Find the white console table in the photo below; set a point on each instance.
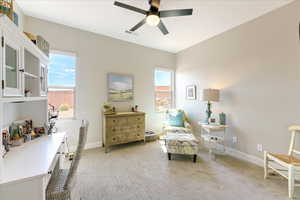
(26, 170)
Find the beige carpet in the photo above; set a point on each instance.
(142, 172)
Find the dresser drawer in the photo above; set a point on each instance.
(116, 121)
(136, 119)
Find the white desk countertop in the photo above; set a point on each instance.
(30, 160)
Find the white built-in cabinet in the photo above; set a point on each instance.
(23, 66)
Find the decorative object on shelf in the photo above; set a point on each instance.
(39, 131)
(222, 117)
(16, 133)
(31, 37)
(120, 87)
(114, 109)
(52, 117)
(210, 95)
(43, 45)
(40, 42)
(20, 132)
(16, 19)
(28, 93)
(191, 92)
(5, 140)
(7, 8)
(132, 109)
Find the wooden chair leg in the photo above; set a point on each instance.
(291, 180)
(266, 164)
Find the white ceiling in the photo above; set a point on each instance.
(210, 18)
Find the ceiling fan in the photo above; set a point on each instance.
(154, 15)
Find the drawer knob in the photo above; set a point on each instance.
(50, 172)
(114, 139)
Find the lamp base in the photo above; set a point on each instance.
(208, 112)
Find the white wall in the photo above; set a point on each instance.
(96, 56)
(257, 68)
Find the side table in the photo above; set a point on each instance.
(214, 135)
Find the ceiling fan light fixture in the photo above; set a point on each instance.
(153, 20)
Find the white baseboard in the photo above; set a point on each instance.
(93, 145)
(244, 156)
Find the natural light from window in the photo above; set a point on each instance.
(163, 89)
(61, 84)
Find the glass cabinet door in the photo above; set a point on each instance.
(11, 69)
(43, 81)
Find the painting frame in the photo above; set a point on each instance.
(115, 92)
(191, 92)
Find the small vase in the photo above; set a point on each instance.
(222, 117)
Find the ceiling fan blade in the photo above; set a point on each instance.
(175, 13)
(163, 28)
(141, 23)
(129, 7)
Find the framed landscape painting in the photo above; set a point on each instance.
(191, 92)
(120, 87)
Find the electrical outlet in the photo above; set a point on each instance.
(234, 139)
(259, 147)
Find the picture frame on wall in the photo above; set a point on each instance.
(191, 92)
(120, 87)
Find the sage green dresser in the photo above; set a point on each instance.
(123, 127)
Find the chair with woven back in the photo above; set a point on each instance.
(289, 164)
(62, 185)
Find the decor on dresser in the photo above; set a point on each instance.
(123, 127)
(191, 92)
(222, 118)
(120, 87)
(108, 109)
(210, 95)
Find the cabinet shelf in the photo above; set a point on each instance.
(29, 75)
(21, 99)
(10, 68)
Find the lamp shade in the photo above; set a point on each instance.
(211, 95)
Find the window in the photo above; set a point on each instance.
(164, 87)
(61, 84)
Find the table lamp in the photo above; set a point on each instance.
(210, 95)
